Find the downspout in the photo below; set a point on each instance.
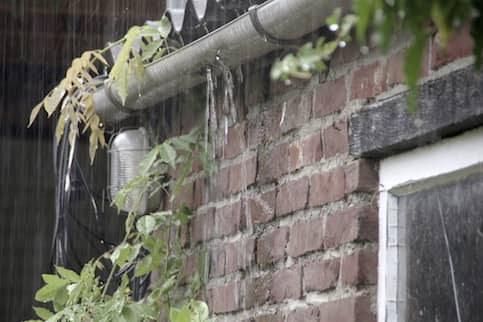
(236, 42)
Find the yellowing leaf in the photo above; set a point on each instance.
(34, 113)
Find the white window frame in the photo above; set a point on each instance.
(399, 175)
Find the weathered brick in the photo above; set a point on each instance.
(234, 143)
(292, 196)
(305, 151)
(257, 290)
(306, 236)
(199, 187)
(354, 224)
(185, 195)
(189, 267)
(368, 81)
(303, 314)
(202, 226)
(265, 127)
(184, 235)
(460, 45)
(297, 112)
(273, 163)
(395, 64)
(330, 97)
(217, 261)
(254, 89)
(336, 139)
(269, 317)
(286, 284)
(352, 309)
(242, 174)
(219, 181)
(227, 220)
(225, 298)
(239, 255)
(321, 275)
(359, 268)
(361, 176)
(327, 187)
(271, 246)
(260, 209)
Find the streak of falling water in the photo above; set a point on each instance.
(38, 40)
(210, 117)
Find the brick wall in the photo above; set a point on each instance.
(289, 217)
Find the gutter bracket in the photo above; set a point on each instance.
(288, 43)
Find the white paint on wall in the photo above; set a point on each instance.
(402, 171)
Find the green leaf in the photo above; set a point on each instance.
(183, 314)
(42, 313)
(68, 274)
(200, 309)
(149, 160)
(146, 224)
(412, 68)
(144, 266)
(168, 154)
(151, 49)
(164, 27)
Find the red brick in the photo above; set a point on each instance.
(327, 187)
(306, 236)
(297, 112)
(353, 309)
(305, 151)
(395, 67)
(202, 226)
(361, 176)
(292, 196)
(189, 266)
(184, 236)
(227, 220)
(273, 163)
(303, 314)
(225, 298)
(185, 195)
(359, 268)
(336, 139)
(330, 97)
(198, 195)
(321, 275)
(265, 127)
(270, 317)
(234, 143)
(217, 262)
(271, 246)
(460, 45)
(257, 291)
(242, 174)
(239, 255)
(219, 184)
(260, 209)
(354, 224)
(286, 284)
(368, 81)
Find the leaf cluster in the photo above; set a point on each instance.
(151, 246)
(312, 58)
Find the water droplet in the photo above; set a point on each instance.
(334, 27)
(342, 44)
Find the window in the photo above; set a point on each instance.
(431, 239)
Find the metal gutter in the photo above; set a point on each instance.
(236, 42)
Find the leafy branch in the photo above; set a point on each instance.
(84, 297)
(73, 96)
(382, 19)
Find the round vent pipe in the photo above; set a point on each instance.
(126, 151)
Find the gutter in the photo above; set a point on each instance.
(263, 29)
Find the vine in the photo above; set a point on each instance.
(382, 19)
(151, 245)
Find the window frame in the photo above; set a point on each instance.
(402, 174)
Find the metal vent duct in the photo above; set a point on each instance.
(127, 150)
